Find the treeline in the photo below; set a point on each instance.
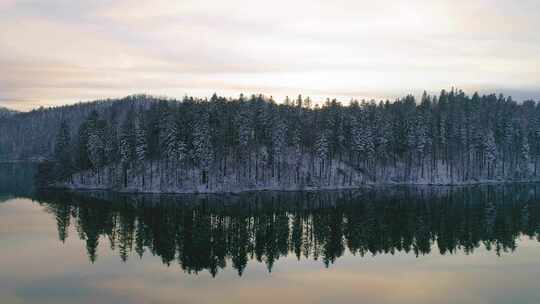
(5, 113)
(254, 143)
(211, 232)
(32, 135)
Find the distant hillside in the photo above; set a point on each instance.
(31, 135)
(5, 112)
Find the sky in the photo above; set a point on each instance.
(64, 51)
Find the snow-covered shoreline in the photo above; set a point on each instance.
(312, 189)
(155, 179)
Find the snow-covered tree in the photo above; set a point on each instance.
(524, 155)
(63, 150)
(202, 145)
(126, 145)
(95, 144)
(490, 151)
(245, 127)
(322, 146)
(140, 148)
(362, 141)
(167, 133)
(111, 143)
(279, 144)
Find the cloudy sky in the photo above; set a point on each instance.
(56, 52)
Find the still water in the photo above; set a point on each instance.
(380, 245)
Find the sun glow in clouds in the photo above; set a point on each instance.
(64, 51)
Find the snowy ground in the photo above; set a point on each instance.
(156, 177)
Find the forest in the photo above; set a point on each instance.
(151, 144)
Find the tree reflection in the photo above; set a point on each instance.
(208, 232)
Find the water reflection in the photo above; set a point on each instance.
(211, 232)
(16, 180)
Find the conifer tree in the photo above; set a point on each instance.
(203, 151)
(126, 146)
(491, 152)
(140, 142)
(63, 150)
(95, 144)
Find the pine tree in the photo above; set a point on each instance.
(508, 144)
(96, 146)
(322, 148)
(126, 145)
(417, 140)
(362, 141)
(297, 152)
(524, 156)
(279, 144)
(82, 160)
(490, 152)
(110, 142)
(63, 150)
(169, 139)
(245, 127)
(140, 142)
(202, 145)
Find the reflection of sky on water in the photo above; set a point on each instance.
(36, 267)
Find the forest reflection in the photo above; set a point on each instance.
(210, 232)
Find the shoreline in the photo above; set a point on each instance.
(307, 189)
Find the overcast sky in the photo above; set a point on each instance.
(56, 52)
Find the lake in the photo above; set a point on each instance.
(477, 244)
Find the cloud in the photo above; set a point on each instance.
(66, 51)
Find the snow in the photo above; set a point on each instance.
(164, 177)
